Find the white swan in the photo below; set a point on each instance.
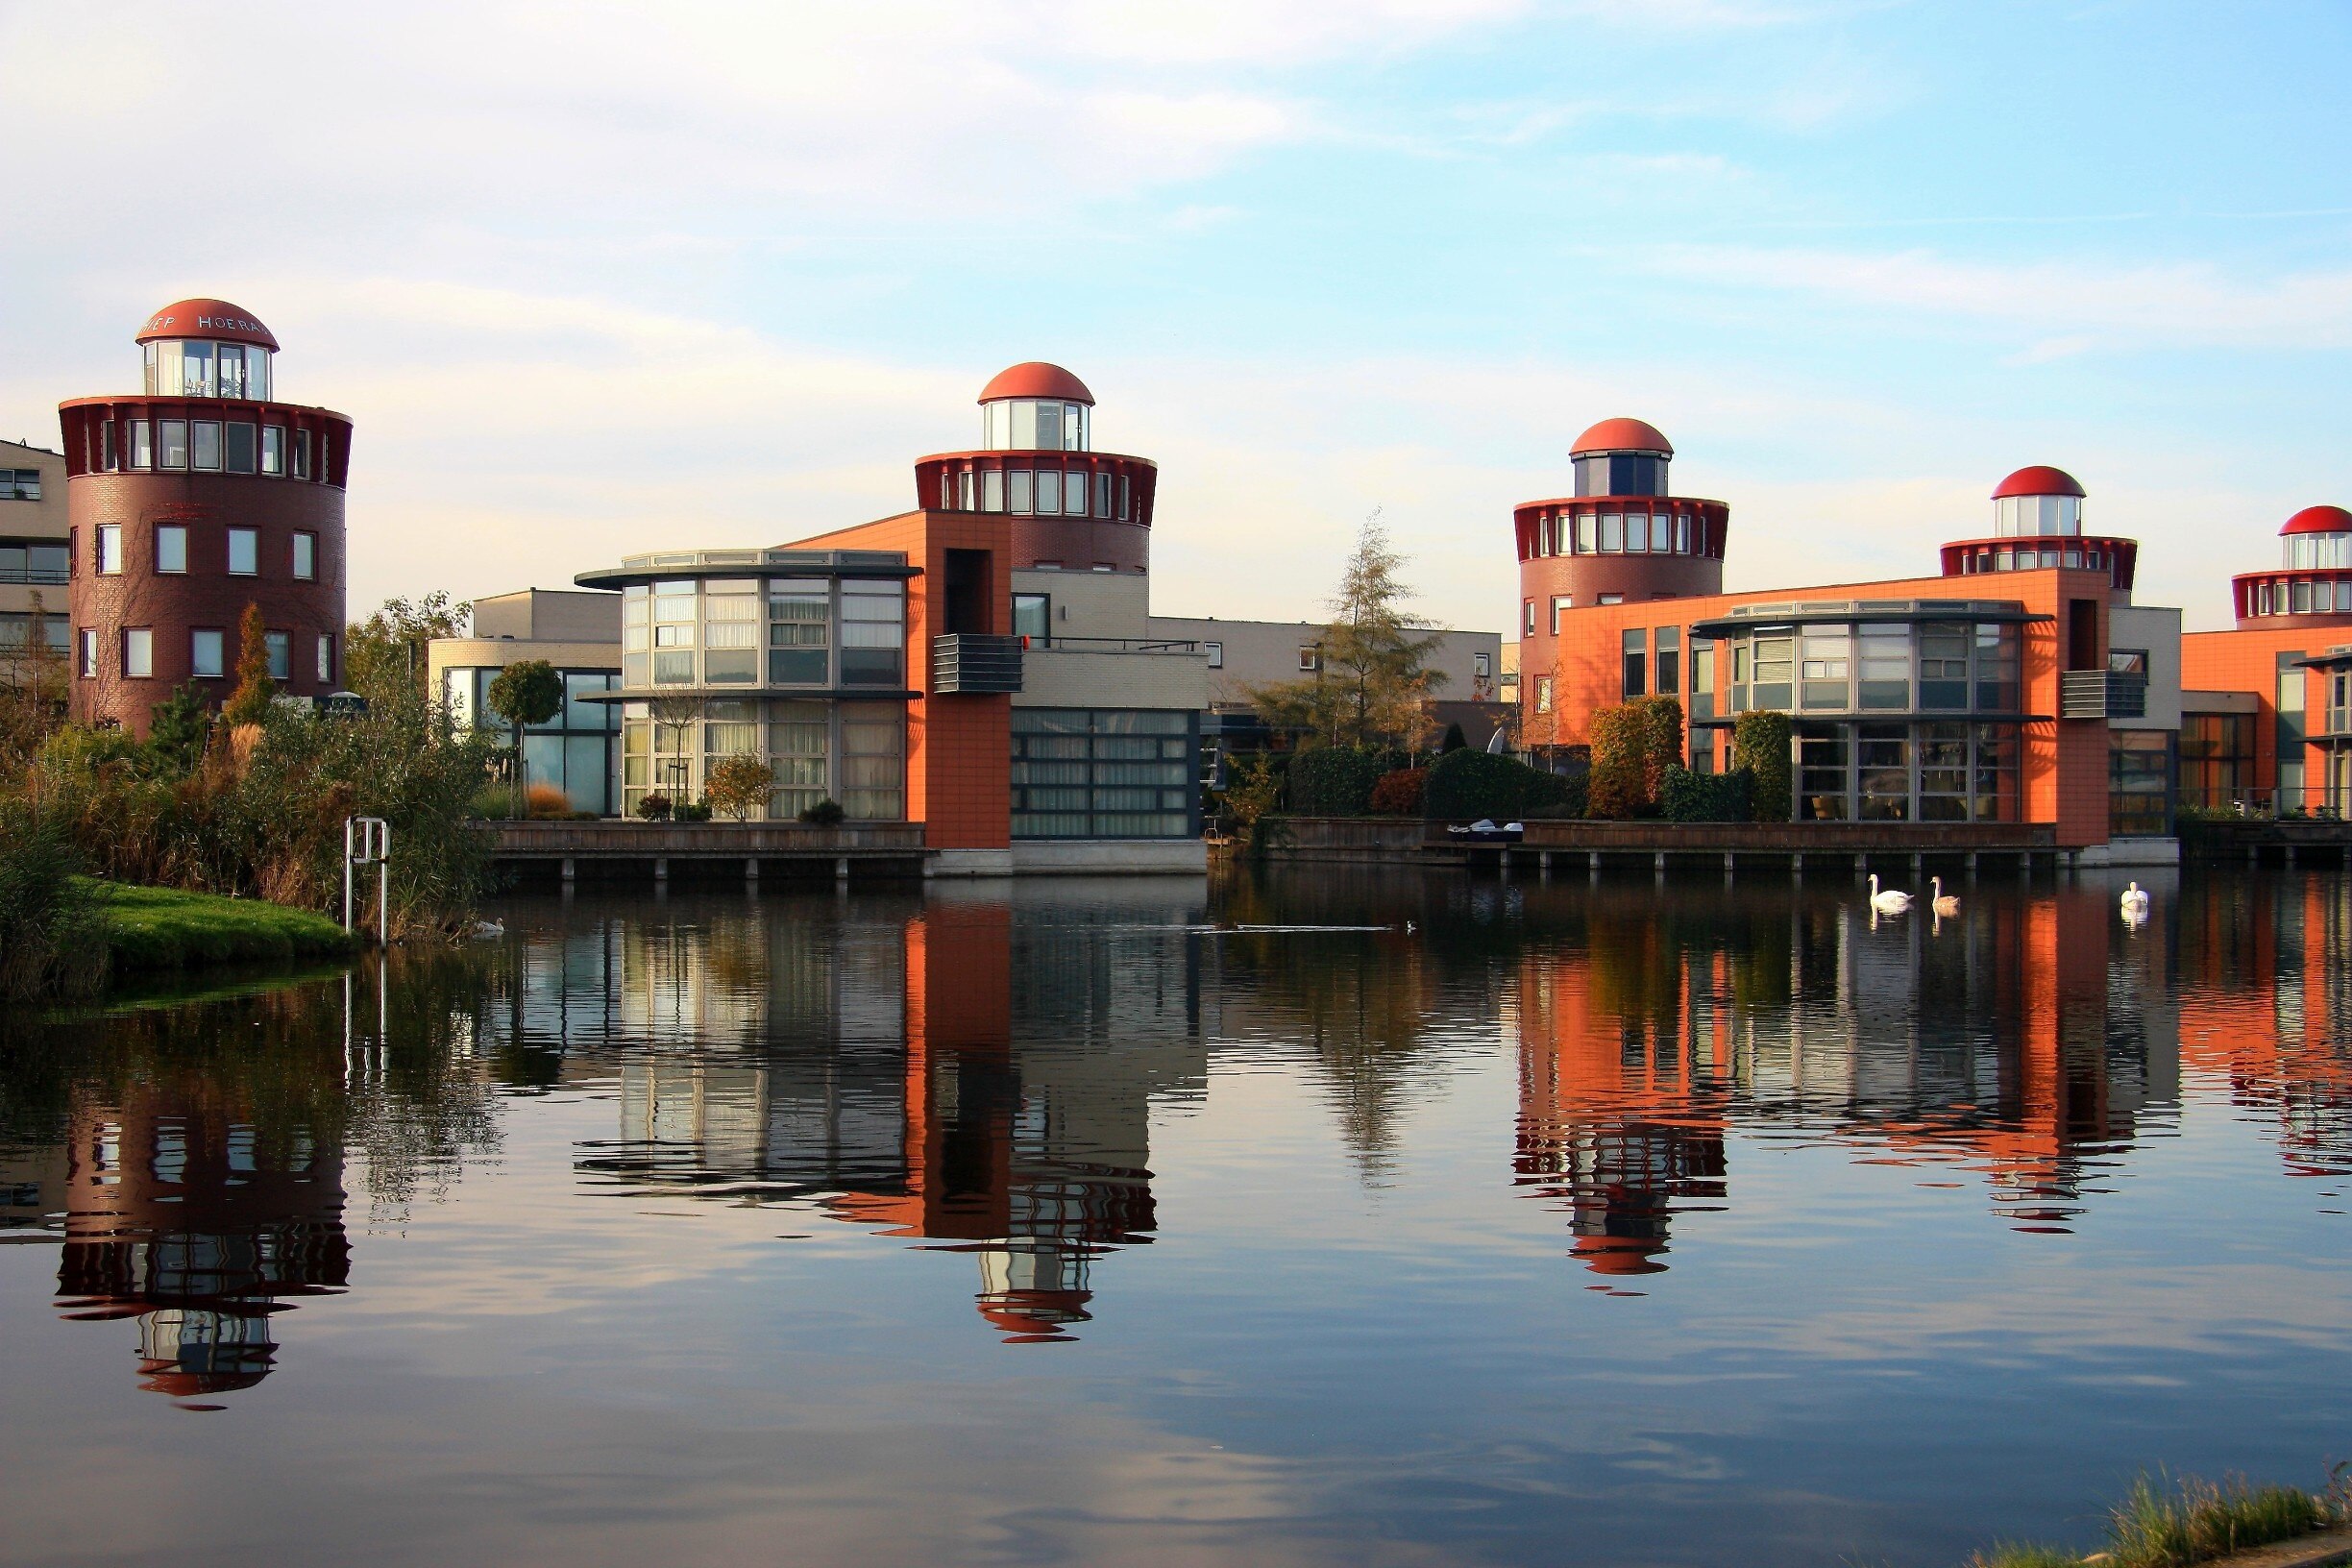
(2134, 901)
(1944, 902)
(1889, 902)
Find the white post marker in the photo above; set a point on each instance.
(367, 840)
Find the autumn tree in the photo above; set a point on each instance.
(739, 785)
(250, 703)
(1372, 683)
(387, 652)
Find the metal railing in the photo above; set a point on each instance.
(976, 662)
(1110, 644)
(2101, 694)
(41, 577)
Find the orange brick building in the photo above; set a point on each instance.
(2013, 687)
(2266, 724)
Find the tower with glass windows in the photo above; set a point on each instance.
(2311, 585)
(191, 500)
(1623, 538)
(2038, 523)
(1069, 505)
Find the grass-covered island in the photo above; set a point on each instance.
(2176, 1525)
(167, 928)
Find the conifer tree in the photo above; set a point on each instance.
(255, 689)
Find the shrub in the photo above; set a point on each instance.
(690, 811)
(1254, 789)
(1455, 739)
(1707, 798)
(262, 815)
(1335, 780)
(825, 813)
(1617, 786)
(1760, 746)
(250, 703)
(739, 785)
(52, 933)
(546, 800)
(1398, 794)
(1472, 784)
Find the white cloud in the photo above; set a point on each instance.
(2083, 303)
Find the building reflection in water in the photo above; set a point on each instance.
(873, 1068)
(2028, 1041)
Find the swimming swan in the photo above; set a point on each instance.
(1889, 902)
(1945, 903)
(2134, 901)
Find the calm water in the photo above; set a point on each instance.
(1572, 1225)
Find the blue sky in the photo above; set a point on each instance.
(602, 278)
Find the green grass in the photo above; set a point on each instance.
(164, 928)
(2178, 1524)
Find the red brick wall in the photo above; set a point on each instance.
(959, 748)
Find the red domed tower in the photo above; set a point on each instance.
(189, 502)
(2037, 523)
(2313, 581)
(1621, 538)
(1071, 507)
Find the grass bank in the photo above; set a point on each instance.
(164, 928)
(2164, 1523)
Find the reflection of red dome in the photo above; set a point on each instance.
(2041, 480)
(1621, 435)
(2320, 520)
(1036, 378)
(1034, 1316)
(215, 320)
(1618, 1255)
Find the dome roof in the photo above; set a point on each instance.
(2041, 480)
(1036, 378)
(215, 319)
(2320, 520)
(1621, 435)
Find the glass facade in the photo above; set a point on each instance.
(2140, 783)
(2037, 517)
(818, 632)
(1902, 771)
(850, 752)
(573, 751)
(2217, 758)
(1883, 667)
(1104, 773)
(183, 369)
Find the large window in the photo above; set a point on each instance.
(1035, 425)
(2140, 783)
(16, 631)
(206, 654)
(800, 632)
(872, 633)
(139, 652)
(20, 484)
(1877, 667)
(731, 633)
(874, 760)
(2217, 759)
(800, 738)
(36, 561)
(573, 751)
(244, 552)
(1934, 771)
(171, 547)
(2028, 517)
(1103, 773)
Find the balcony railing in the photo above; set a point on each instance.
(2101, 694)
(40, 576)
(970, 662)
(1112, 645)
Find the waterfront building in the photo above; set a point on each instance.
(983, 664)
(579, 633)
(191, 500)
(2019, 685)
(33, 551)
(2269, 721)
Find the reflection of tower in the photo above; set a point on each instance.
(1620, 1115)
(199, 1223)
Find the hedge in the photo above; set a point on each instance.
(1708, 797)
(1474, 784)
(1336, 780)
(1760, 745)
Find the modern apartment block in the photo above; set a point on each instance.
(2020, 684)
(982, 663)
(34, 552)
(189, 501)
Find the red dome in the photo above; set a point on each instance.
(1036, 378)
(215, 319)
(2041, 480)
(1621, 435)
(2320, 520)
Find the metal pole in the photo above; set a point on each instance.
(383, 887)
(347, 875)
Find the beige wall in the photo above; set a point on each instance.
(2158, 630)
(1057, 677)
(1092, 603)
(560, 615)
(1265, 653)
(42, 519)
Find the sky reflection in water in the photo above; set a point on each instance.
(1082, 1222)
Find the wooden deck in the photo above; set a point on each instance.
(1657, 845)
(885, 848)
